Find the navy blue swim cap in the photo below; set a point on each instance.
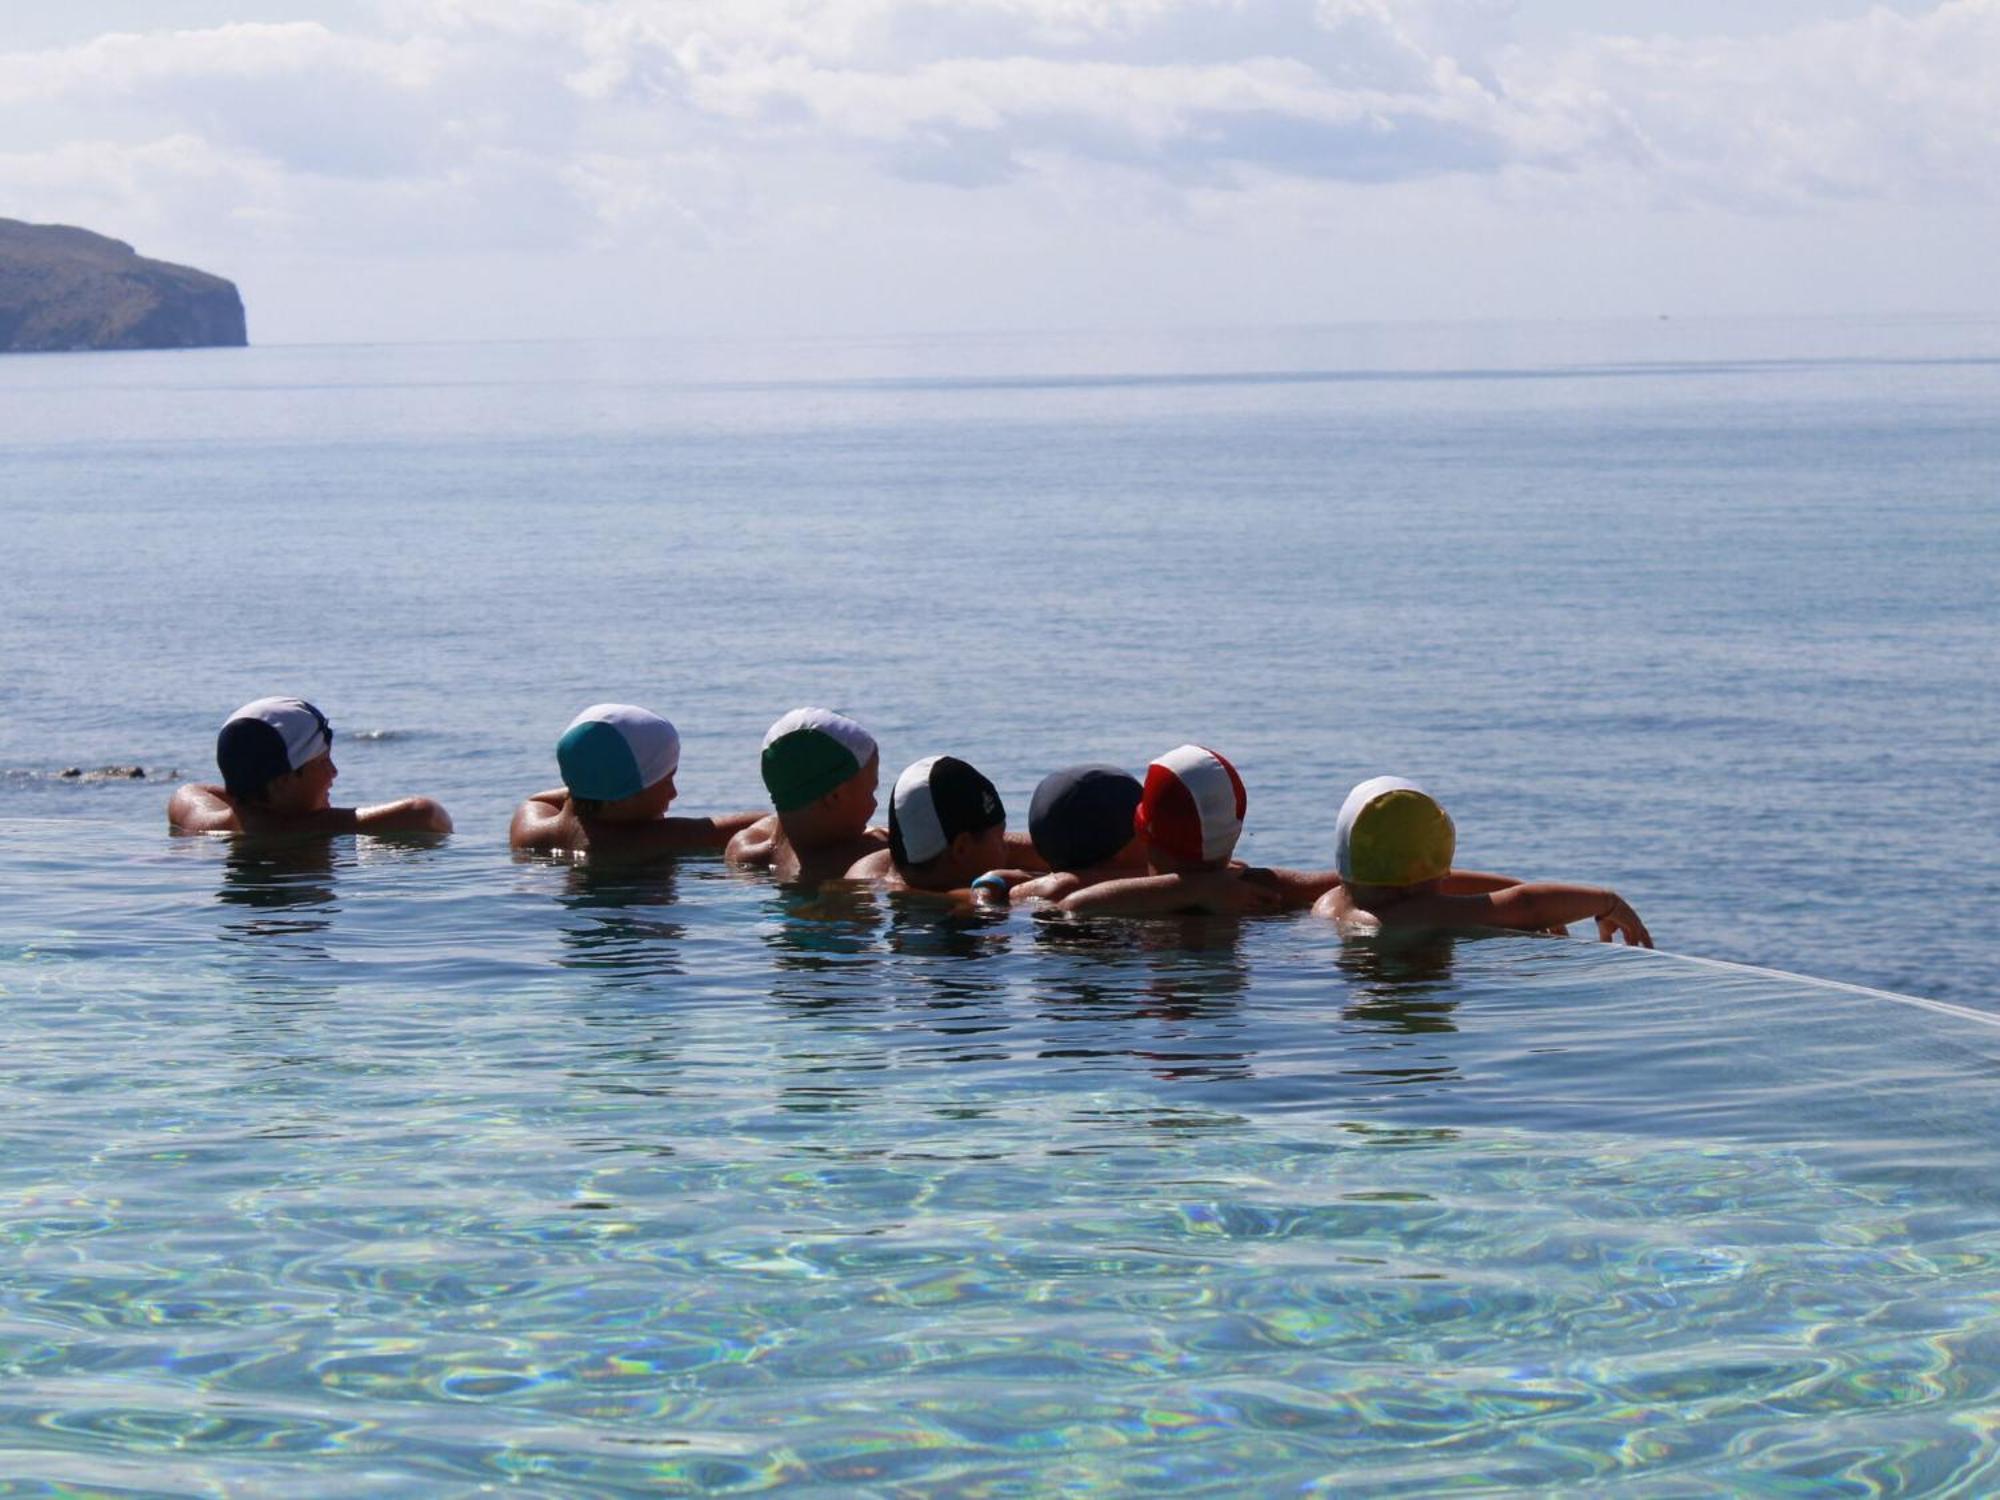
(1082, 815)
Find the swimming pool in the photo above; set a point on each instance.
(393, 1170)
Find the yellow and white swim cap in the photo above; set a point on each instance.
(1391, 832)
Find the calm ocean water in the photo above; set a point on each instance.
(404, 1169)
(1703, 612)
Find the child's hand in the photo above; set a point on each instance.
(1619, 918)
(990, 889)
(1227, 894)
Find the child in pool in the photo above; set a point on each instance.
(822, 770)
(276, 759)
(1188, 818)
(947, 827)
(618, 764)
(1080, 822)
(1393, 847)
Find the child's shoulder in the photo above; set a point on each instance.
(542, 824)
(870, 863)
(757, 845)
(195, 808)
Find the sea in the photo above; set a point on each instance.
(410, 1167)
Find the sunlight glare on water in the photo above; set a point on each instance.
(398, 1169)
(407, 1170)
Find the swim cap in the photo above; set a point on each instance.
(613, 750)
(263, 740)
(1192, 806)
(809, 752)
(1082, 815)
(935, 801)
(1391, 832)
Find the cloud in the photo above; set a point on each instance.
(544, 123)
(1884, 106)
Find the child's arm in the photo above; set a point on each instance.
(673, 835)
(1474, 883)
(1295, 889)
(1060, 883)
(1217, 892)
(404, 815)
(1480, 883)
(1532, 907)
(1047, 887)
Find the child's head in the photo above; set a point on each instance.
(946, 821)
(821, 769)
(1392, 833)
(619, 761)
(1191, 810)
(277, 752)
(1081, 817)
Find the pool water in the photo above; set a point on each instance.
(380, 1169)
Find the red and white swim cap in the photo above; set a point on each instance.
(1192, 807)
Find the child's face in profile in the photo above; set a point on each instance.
(308, 789)
(856, 798)
(988, 849)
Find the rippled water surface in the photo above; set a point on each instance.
(398, 1170)
(411, 1170)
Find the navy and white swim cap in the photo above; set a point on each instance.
(264, 740)
(935, 801)
(613, 750)
(1082, 815)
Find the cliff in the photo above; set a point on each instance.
(63, 288)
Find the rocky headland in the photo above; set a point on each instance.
(63, 288)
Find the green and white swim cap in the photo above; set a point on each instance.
(1392, 832)
(613, 750)
(809, 752)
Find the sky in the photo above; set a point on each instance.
(446, 169)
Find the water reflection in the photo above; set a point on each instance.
(278, 898)
(953, 970)
(284, 887)
(833, 955)
(1401, 993)
(1164, 996)
(1400, 982)
(614, 923)
(826, 976)
(811, 932)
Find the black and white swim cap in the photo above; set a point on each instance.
(935, 801)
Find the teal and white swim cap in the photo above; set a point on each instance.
(613, 750)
